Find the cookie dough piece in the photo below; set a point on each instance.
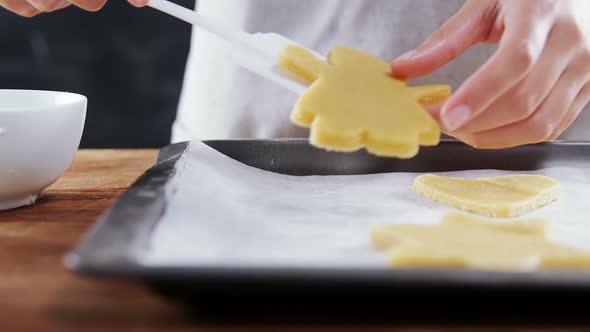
(463, 241)
(504, 197)
(354, 102)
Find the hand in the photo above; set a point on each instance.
(30, 8)
(534, 86)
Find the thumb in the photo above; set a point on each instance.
(467, 27)
(434, 111)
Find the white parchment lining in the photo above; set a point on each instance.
(223, 213)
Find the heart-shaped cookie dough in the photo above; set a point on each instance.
(504, 197)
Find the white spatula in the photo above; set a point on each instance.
(256, 52)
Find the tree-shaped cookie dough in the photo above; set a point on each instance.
(462, 241)
(354, 102)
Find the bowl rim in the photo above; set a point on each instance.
(78, 98)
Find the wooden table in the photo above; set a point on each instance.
(38, 293)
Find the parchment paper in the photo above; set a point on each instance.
(223, 213)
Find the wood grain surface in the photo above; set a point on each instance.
(38, 293)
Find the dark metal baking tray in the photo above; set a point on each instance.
(115, 244)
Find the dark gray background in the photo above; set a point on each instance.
(129, 63)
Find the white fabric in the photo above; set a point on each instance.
(222, 213)
(222, 101)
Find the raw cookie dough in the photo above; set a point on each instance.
(462, 241)
(354, 102)
(504, 197)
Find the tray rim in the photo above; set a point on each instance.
(81, 259)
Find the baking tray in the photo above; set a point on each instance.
(114, 246)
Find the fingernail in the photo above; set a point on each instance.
(406, 56)
(62, 4)
(138, 3)
(456, 117)
(36, 4)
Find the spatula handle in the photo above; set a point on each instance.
(192, 17)
(256, 52)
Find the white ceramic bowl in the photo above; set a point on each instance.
(40, 132)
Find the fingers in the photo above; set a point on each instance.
(30, 8)
(89, 5)
(579, 103)
(520, 48)
(466, 28)
(540, 126)
(434, 111)
(20, 7)
(521, 101)
(46, 6)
